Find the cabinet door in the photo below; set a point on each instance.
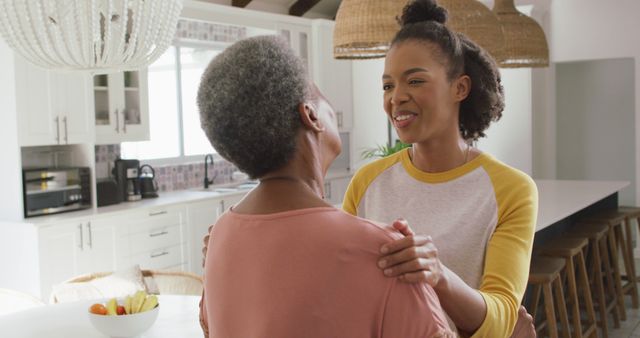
(71, 93)
(38, 122)
(334, 190)
(103, 245)
(200, 216)
(333, 77)
(135, 107)
(121, 107)
(61, 253)
(299, 37)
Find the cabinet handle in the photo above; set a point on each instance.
(157, 213)
(117, 122)
(222, 207)
(57, 119)
(340, 119)
(124, 121)
(81, 238)
(66, 134)
(156, 234)
(164, 253)
(90, 235)
(327, 190)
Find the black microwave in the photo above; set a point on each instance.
(54, 190)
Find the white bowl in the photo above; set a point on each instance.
(124, 326)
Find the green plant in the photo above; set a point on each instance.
(384, 150)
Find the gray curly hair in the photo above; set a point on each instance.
(248, 100)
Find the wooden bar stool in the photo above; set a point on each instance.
(544, 275)
(619, 239)
(571, 249)
(631, 213)
(597, 254)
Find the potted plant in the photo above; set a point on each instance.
(384, 150)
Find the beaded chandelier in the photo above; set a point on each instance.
(99, 36)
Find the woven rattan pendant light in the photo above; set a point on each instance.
(525, 43)
(476, 21)
(364, 28)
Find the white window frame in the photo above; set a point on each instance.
(182, 158)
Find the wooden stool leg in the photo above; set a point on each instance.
(586, 292)
(533, 310)
(630, 266)
(608, 275)
(562, 308)
(551, 315)
(613, 248)
(573, 295)
(599, 290)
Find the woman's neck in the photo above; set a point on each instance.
(440, 155)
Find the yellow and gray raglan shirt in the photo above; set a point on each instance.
(481, 216)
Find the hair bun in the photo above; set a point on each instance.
(423, 10)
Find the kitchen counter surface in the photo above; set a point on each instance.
(164, 199)
(559, 199)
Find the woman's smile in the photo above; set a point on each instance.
(403, 119)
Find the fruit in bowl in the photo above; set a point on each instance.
(128, 318)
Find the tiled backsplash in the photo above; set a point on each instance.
(169, 177)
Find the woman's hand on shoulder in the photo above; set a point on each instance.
(414, 258)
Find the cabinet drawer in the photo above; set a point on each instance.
(154, 220)
(155, 237)
(162, 258)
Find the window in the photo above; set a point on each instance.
(175, 132)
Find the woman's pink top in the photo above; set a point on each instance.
(310, 273)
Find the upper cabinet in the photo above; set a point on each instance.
(53, 108)
(299, 38)
(121, 107)
(333, 77)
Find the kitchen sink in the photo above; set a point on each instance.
(232, 187)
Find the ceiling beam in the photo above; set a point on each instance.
(302, 6)
(240, 3)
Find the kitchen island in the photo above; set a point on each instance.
(562, 202)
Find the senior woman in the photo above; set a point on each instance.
(283, 262)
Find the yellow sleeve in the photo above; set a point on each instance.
(361, 181)
(506, 267)
(352, 197)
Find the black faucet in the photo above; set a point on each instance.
(208, 181)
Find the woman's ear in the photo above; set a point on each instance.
(309, 117)
(462, 88)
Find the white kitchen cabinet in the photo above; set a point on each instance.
(53, 108)
(156, 238)
(335, 188)
(76, 248)
(201, 216)
(299, 38)
(333, 77)
(121, 107)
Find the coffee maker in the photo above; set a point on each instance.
(126, 174)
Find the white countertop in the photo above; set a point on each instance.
(164, 199)
(559, 199)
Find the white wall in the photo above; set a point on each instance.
(592, 30)
(595, 122)
(10, 169)
(369, 118)
(510, 139)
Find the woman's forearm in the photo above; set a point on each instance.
(462, 303)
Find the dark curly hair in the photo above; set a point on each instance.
(424, 20)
